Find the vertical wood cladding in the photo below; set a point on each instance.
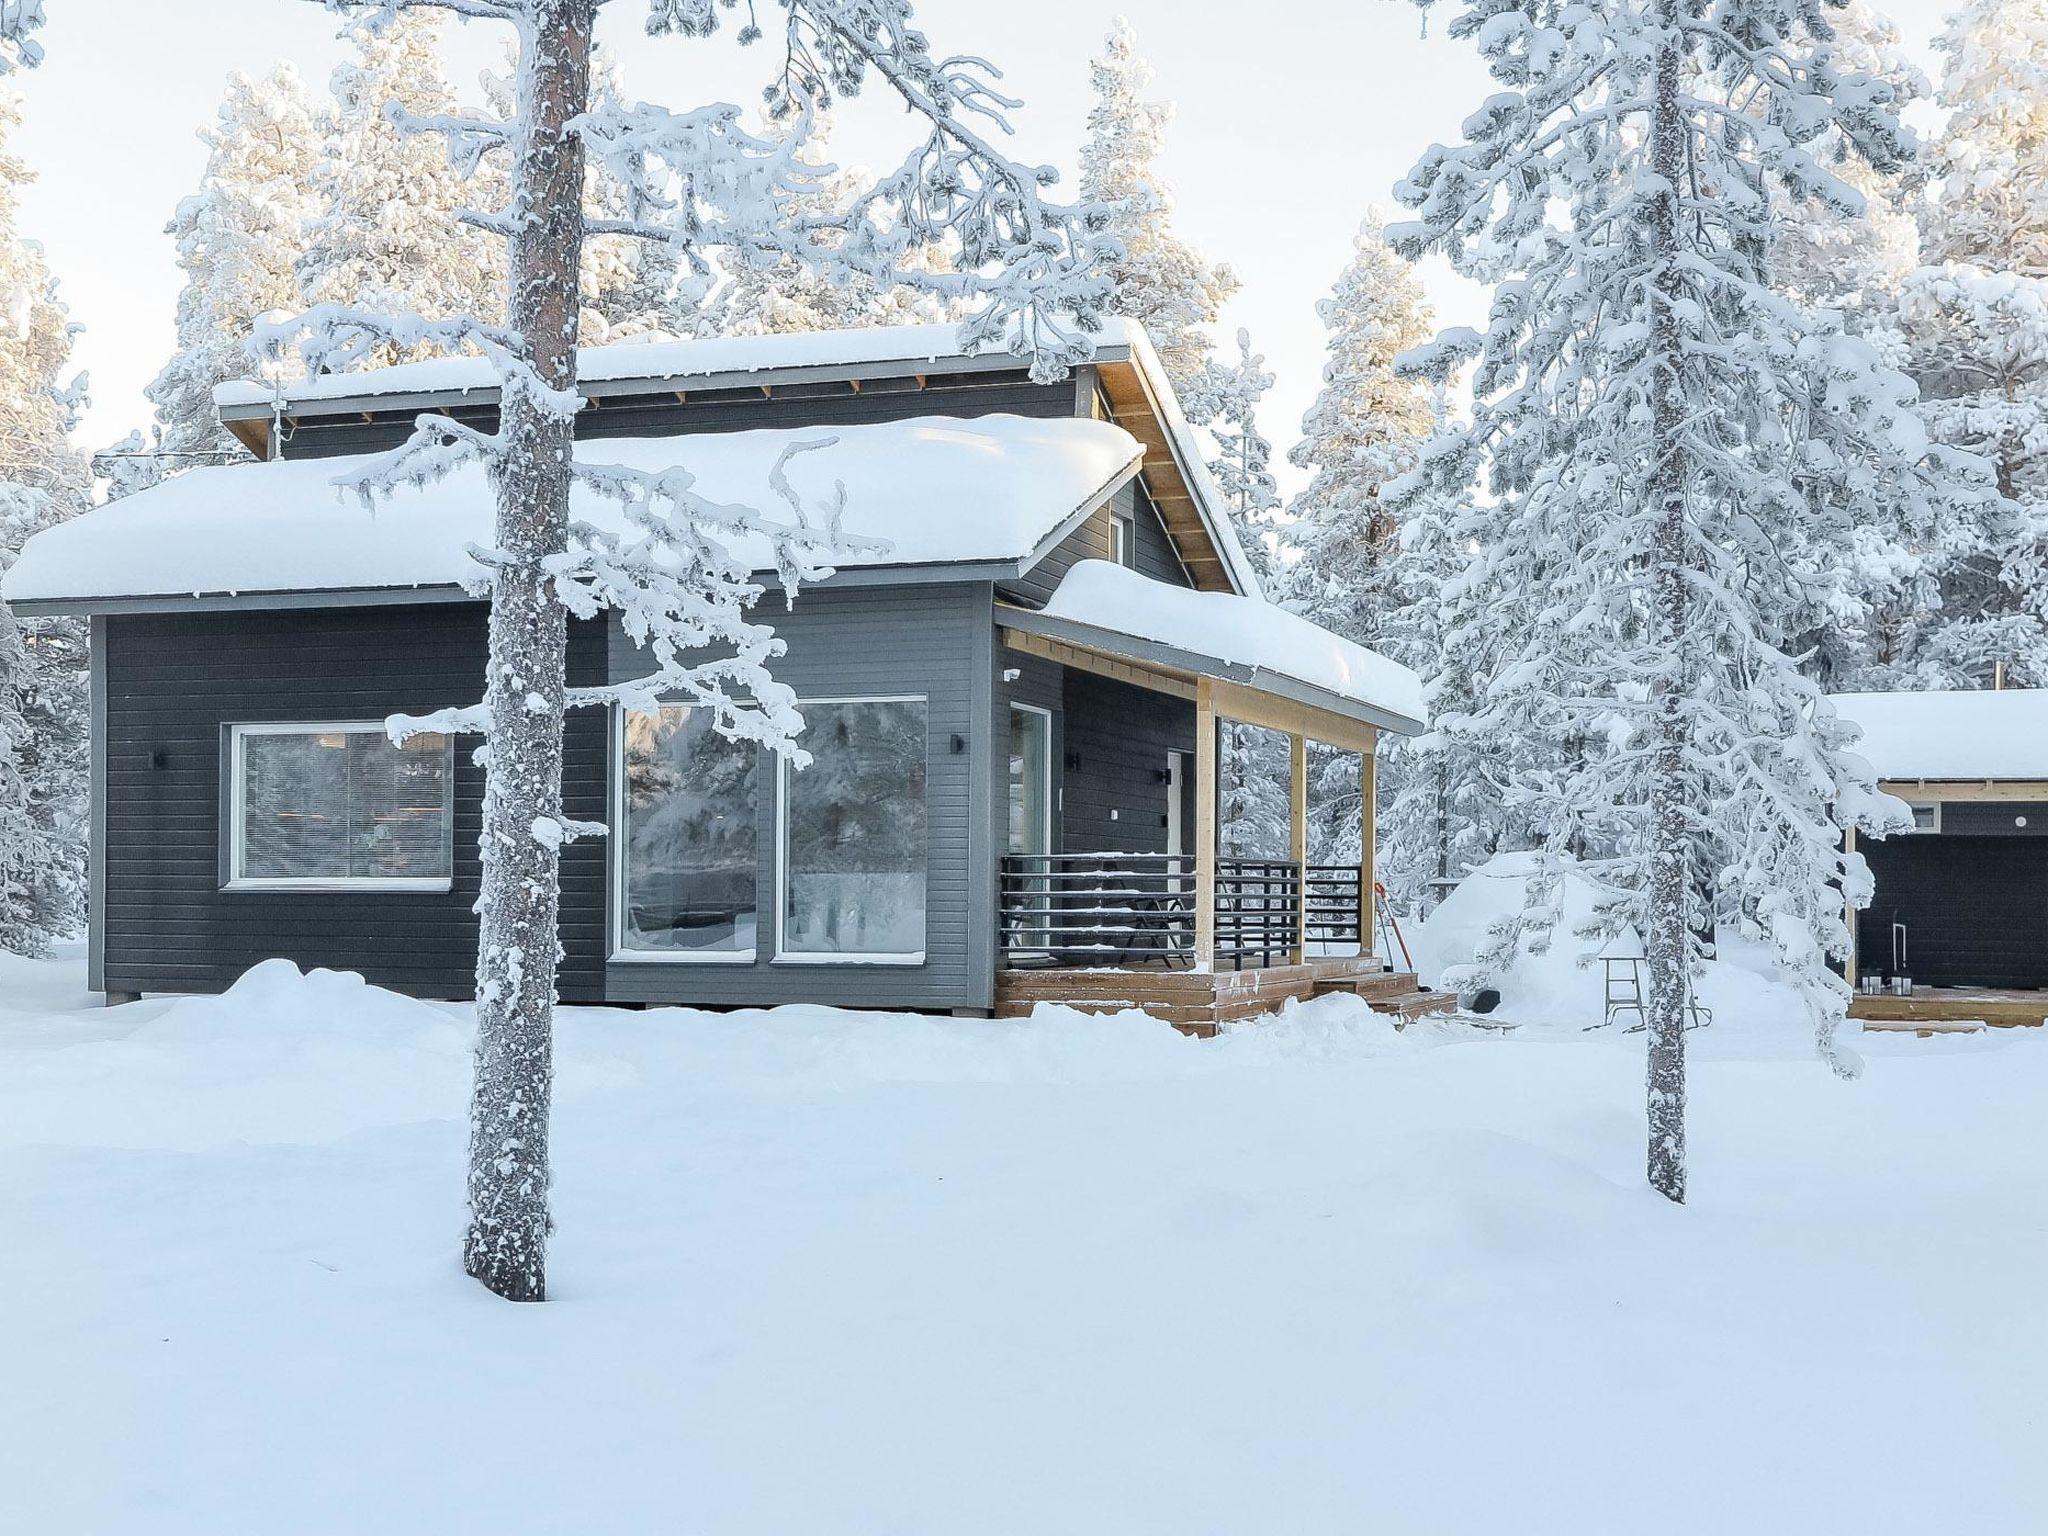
(931, 640)
(173, 685)
(1975, 905)
(1153, 555)
(1117, 738)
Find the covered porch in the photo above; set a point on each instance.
(1119, 887)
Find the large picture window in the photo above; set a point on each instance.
(317, 806)
(855, 834)
(687, 820)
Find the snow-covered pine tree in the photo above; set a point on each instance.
(43, 699)
(1243, 463)
(1856, 262)
(20, 20)
(1992, 211)
(1654, 418)
(1160, 279)
(1361, 432)
(239, 238)
(387, 233)
(788, 295)
(1973, 328)
(1027, 265)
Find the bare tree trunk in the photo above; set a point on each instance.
(515, 974)
(1667, 940)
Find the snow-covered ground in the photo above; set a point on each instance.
(821, 1273)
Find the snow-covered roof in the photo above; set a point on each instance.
(992, 491)
(637, 360)
(1983, 734)
(1226, 632)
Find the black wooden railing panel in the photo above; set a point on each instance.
(1097, 909)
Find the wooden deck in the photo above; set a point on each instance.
(1940, 1010)
(1198, 1004)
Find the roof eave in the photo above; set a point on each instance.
(1157, 654)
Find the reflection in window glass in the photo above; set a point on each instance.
(344, 804)
(689, 835)
(856, 834)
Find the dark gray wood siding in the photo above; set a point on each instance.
(172, 685)
(1152, 550)
(937, 641)
(1975, 904)
(1116, 741)
(817, 405)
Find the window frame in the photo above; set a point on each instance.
(783, 954)
(1051, 789)
(1934, 822)
(617, 951)
(238, 732)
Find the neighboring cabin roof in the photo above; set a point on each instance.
(1105, 607)
(984, 498)
(1959, 734)
(1132, 377)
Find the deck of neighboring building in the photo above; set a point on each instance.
(1932, 1010)
(1199, 1003)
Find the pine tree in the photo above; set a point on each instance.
(1856, 262)
(1972, 329)
(19, 22)
(1654, 419)
(387, 232)
(1242, 465)
(43, 700)
(1361, 432)
(783, 295)
(1161, 281)
(239, 238)
(1027, 265)
(1993, 208)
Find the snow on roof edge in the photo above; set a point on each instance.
(1955, 733)
(1236, 630)
(628, 360)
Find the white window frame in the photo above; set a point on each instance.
(238, 733)
(783, 770)
(620, 954)
(1917, 806)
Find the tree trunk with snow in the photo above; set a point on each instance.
(1668, 943)
(515, 982)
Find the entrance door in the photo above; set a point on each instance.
(1027, 893)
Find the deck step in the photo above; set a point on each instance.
(1395, 993)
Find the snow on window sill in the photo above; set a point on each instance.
(423, 887)
(848, 958)
(682, 957)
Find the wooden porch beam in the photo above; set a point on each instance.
(1134, 673)
(1292, 718)
(1205, 826)
(1297, 832)
(1956, 790)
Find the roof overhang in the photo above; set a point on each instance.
(1309, 710)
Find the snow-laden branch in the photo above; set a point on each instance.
(20, 20)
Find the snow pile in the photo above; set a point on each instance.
(1245, 631)
(1952, 734)
(934, 490)
(1562, 982)
(830, 1272)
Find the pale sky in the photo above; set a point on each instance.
(1293, 118)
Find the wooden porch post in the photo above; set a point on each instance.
(1367, 829)
(1297, 826)
(1849, 917)
(1205, 826)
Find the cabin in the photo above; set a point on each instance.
(1012, 703)
(1961, 903)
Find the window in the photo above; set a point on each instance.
(1123, 540)
(316, 806)
(855, 834)
(1927, 818)
(686, 815)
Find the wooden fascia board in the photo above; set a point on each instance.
(1133, 408)
(1961, 790)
